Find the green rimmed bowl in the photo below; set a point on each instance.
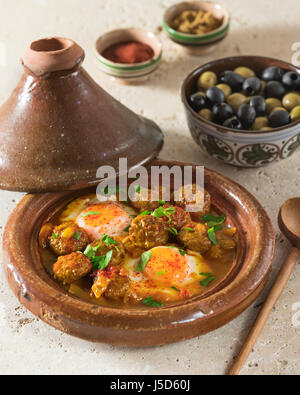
(197, 44)
(128, 73)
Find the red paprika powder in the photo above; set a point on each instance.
(129, 52)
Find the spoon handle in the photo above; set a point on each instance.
(277, 289)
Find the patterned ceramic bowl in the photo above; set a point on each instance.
(128, 73)
(242, 148)
(197, 44)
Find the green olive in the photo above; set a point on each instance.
(263, 85)
(291, 100)
(245, 72)
(271, 103)
(260, 122)
(279, 109)
(236, 100)
(207, 80)
(225, 89)
(295, 113)
(206, 114)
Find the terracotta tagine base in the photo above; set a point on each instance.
(140, 327)
(59, 126)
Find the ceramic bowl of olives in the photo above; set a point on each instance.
(244, 110)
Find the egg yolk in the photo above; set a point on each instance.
(167, 267)
(101, 214)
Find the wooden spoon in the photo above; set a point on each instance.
(289, 223)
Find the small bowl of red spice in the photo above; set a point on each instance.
(128, 55)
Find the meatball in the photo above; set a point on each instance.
(118, 288)
(178, 219)
(194, 237)
(148, 232)
(67, 238)
(147, 199)
(197, 206)
(72, 267)
(113, 244)
(131, 248)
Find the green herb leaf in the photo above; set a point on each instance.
(152, 303)
(90, 251)
(182, 252)
(147, 212)
(108, 240)
(160, 212)
(55, 235)
(208, 280)
(101, 262)
(173, 231)
(138, 189)
(89, 213)
(162, 202)
(161, 273)
(212, 236)
(145, 258)
(190, 229)
(127, 229)
(212, 220)
(76, 235)
(176, 289)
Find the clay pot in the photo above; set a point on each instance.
(38, 292)
(59, 126)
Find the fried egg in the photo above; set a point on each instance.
(111, 218)
(170, 274)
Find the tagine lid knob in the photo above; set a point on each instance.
(52, 54)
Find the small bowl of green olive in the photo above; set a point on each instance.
(244, 110)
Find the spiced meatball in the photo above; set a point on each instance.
(67, 238)
(147, 199)
(197, 206)
(114, 244)
(176, 219)
(194, 237)
(118, 288)
(72, 267)
(148, 232)
(131, 248)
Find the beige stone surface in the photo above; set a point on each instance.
(260, 27)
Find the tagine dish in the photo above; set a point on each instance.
(139, 253)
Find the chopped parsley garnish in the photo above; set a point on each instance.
(145, 258)
(147, 212)
(190, 229)
(101, 262)
(160, 212)
(212, 221)
(162, 202)
(55, 235)
(138, 189)
(182, 252)
(212, 236)
(173, 231)
(108, 240)
(152, 303)
(76, 235)
(89, 213)
(209, 278)
(161, 273)
(175, 289)
(91, 251)
(108, 191)
(127, 229)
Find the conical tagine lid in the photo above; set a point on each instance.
(58, 126)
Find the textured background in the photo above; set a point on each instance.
(259, 27)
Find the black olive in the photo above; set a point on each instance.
(215, 95)
(221, 112)
(233, 123)
(246, 114)
(279, 118)
(274, 89)
(259, 105)
(197, 101)
(272, 73)
(234, 80)
(291, 80)
(252, 86)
